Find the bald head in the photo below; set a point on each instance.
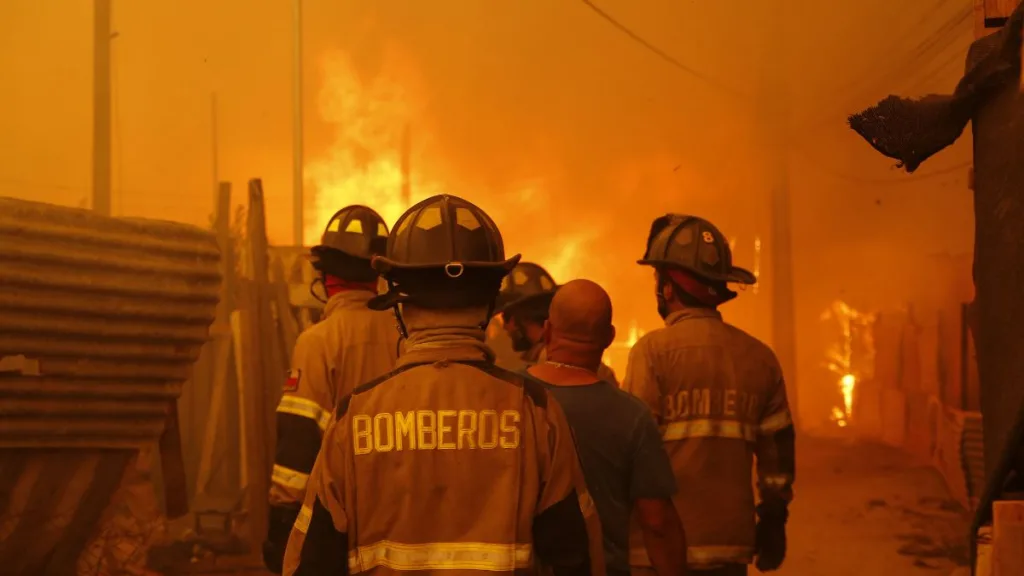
(581, 316)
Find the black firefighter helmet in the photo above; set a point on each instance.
(353, 236)
(694, 245)
(444, 252)
(528, 288)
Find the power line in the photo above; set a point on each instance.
(905, 180)
(939, 38)
(714, 82)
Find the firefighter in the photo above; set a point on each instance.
(523, 304)
(448, 462)
(350, 345)
(720, 399)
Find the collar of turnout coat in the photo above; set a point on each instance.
(912, 130)
(346, 300)
(440, 344)
(690, 313)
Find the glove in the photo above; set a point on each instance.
(278, 530)
(273, 557)
(771, 536)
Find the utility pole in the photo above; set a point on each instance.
(298, 213)
(774, 120)
(406, 167)
(101, 168)
(214, 167)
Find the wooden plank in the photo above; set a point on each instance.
(1007, 538)
(257, 329)
(83, 523)
(221, 345)
(285, 314)
(172, 465)
(215, 415)
(236, 330)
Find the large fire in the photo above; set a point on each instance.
(378, 158)
(842, 357)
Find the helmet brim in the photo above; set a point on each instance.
(736, 275)
(387, 300)
(384, 265)
(504, 306)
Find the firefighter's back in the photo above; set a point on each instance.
(363, 342)
(445, 465)
(716, 382)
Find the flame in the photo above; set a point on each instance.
(840, 357)
(617, 355)
(364, 163)
(757, 262)
(379, 122)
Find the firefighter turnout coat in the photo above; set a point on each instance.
(448, 463)
(719, 397)
(349, 346)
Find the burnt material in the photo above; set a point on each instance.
(912, 130)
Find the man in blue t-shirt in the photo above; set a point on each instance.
(624, 460)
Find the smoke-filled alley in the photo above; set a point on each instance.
(584, 286)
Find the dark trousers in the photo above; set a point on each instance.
(727, 570)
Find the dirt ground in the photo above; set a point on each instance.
(860, 510)
(863, 509)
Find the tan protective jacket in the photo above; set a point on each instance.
(720, 399)
(449, 463)
(351, 345)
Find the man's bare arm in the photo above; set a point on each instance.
(664, 536)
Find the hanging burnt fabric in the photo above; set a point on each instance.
(912, 130)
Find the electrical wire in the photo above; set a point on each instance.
(911, 61)
(709, 80)
(893, 48)
(906, 180)
(957, 56)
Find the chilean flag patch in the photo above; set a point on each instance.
(292, 383)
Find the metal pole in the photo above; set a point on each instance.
(101, 169)
(775, 125)
(298, 220)
(214, 167)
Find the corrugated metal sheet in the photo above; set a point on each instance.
(114, 311)
(50, 501)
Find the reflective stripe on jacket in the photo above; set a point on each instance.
(349, 346)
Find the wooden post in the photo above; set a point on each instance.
(172, 464)
(101, 109)
(282, 300)
(221, 339)
(264, 369)
(774, 132)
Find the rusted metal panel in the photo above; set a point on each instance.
(50, 500)
(110, 312)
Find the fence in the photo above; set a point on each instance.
(924, 395)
